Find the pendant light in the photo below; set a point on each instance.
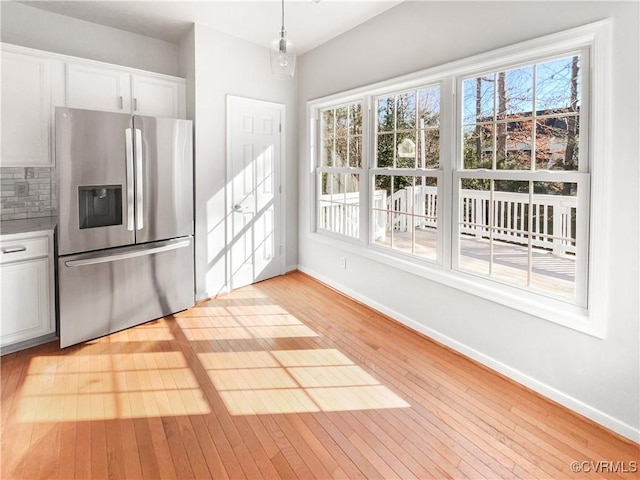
(282, 53)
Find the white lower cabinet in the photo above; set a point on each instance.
(26, 288)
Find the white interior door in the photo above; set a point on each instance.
(253, 174)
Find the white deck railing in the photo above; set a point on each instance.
(340, 213)
(551, 218)
(551, 215)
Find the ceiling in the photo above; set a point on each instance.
(309, 23)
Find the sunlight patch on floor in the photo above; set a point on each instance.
(294, 381)
(109, 386)
(244, 322)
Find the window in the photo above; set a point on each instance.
(407, 171)
(340, 169)
(519, 178)
(478, 173)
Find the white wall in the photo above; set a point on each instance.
(225, 65)
(188, 69)
(34, 28)
(599, 378)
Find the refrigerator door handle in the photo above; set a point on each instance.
(139, 181)
(130, 197)
(123, 256)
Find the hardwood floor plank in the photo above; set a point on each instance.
(208, 447)
(414, 457)
(330, 422)
(129, 445)
(13, 371)
(115, 452)
(252, 444)
(347, 465)
(176, 448)
(99, 466)
(387, 467)
(289, 453)
(283, 467)
(67, 452)
(149, 463)
(183, 404)
(313, 444)
(82, 466)
(304, 451)
(283, 379)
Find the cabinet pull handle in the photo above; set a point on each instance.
(121, 102)
(13, 249)
(135, 104)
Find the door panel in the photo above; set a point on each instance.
(164, 193)
(91, 153)
(254, 149)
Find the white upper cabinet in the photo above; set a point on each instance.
(34, 82)
(157, 97)
(99, 87)
(26, 109)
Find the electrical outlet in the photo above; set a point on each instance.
(21, 189)
(343, 263)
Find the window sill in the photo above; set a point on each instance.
(537, 305)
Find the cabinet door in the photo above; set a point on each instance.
(26, 110)
(156, 97)
(98, 88)
(25, 311)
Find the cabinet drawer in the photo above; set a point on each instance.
(15, 250)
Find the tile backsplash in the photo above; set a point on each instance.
(27, 192)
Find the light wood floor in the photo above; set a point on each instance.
(283, 379)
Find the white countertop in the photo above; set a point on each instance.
(12, 227)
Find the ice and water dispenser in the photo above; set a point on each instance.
(100, 205)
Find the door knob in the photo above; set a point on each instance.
(237, 207)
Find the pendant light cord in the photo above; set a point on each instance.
(282, 29)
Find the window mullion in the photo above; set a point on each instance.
(530, 235)
(534, 121)
(366, 198)
(494, 130)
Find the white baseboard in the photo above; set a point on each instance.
(543, 389)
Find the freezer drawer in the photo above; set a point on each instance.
(107, 291)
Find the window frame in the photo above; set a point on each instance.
(581, 177)
(587, 317)
(348, 170)
(374, 170)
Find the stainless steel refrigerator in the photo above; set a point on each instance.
(125, 233)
